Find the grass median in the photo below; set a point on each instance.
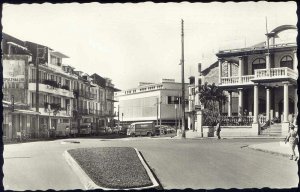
(112, 167)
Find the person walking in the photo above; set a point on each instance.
(292, 138)
(218, 130)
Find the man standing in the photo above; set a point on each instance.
(218, 130)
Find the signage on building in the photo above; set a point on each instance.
(14, 71)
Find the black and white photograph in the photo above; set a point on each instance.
(150, 96)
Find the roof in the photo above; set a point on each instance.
(59, 54)
(207, 70)
(146, 122)
(279, 29)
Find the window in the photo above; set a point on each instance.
(258, 63)
(286, 61)
(173, 100)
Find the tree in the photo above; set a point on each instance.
(211, 97)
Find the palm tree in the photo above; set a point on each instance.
(211, 98)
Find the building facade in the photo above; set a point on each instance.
(68, 100)
(159, 102)
(260, 83)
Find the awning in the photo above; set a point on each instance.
(27, 112)
(59, 54)
(112, 100)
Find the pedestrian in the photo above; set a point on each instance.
(292, 138)
(218, 130)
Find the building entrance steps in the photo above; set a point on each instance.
(274, 129)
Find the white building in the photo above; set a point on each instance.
(151, 102)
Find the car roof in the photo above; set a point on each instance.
(147, 122)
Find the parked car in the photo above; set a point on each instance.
(160, 130)
(170, 129)
(123, 130)
(115, 130)
(141, 129)
(108, 130)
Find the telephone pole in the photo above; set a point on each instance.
(182, 79)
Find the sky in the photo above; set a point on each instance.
(131, 43)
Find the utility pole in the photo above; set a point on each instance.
(118, 116)
(182, 79)
(160, 112)
(156, 111)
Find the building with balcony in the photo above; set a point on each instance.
(157, 102)
(105, 98)
(68, 100)
(260, 82)
(18, 117)
(56, 82)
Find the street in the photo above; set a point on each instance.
(186, 163)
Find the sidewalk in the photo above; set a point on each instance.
(279, 148)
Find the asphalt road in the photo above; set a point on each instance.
(178, 164)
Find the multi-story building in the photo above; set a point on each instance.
(105, 98)
(261, 84)
(151, 102)
(68, 100)
(17, 116)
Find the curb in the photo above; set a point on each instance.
(84, 178)
(89, 183)
(268, 151)
(222, 138)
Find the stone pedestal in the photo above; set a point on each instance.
(255, 128)
(284, 128)
(199, 123)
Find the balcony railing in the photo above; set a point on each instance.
(247, 78)
(51, 83)
(229, 80)
(272, 73)
(282, 72)
(236, 120)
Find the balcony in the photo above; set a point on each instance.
(275, 74)
(48, 86)
(261, 75)
(58, 70)
(236, 80)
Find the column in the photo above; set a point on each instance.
(285, 101)
(295, 60)
(267, 103)
(229, 104)
(268, 66)
(240, 68)
(220, 69)
(240, 109)
(229, 69)
(295, 101)
(255, 110)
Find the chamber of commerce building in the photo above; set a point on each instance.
(260, 83)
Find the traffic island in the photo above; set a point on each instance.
(111, 168)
